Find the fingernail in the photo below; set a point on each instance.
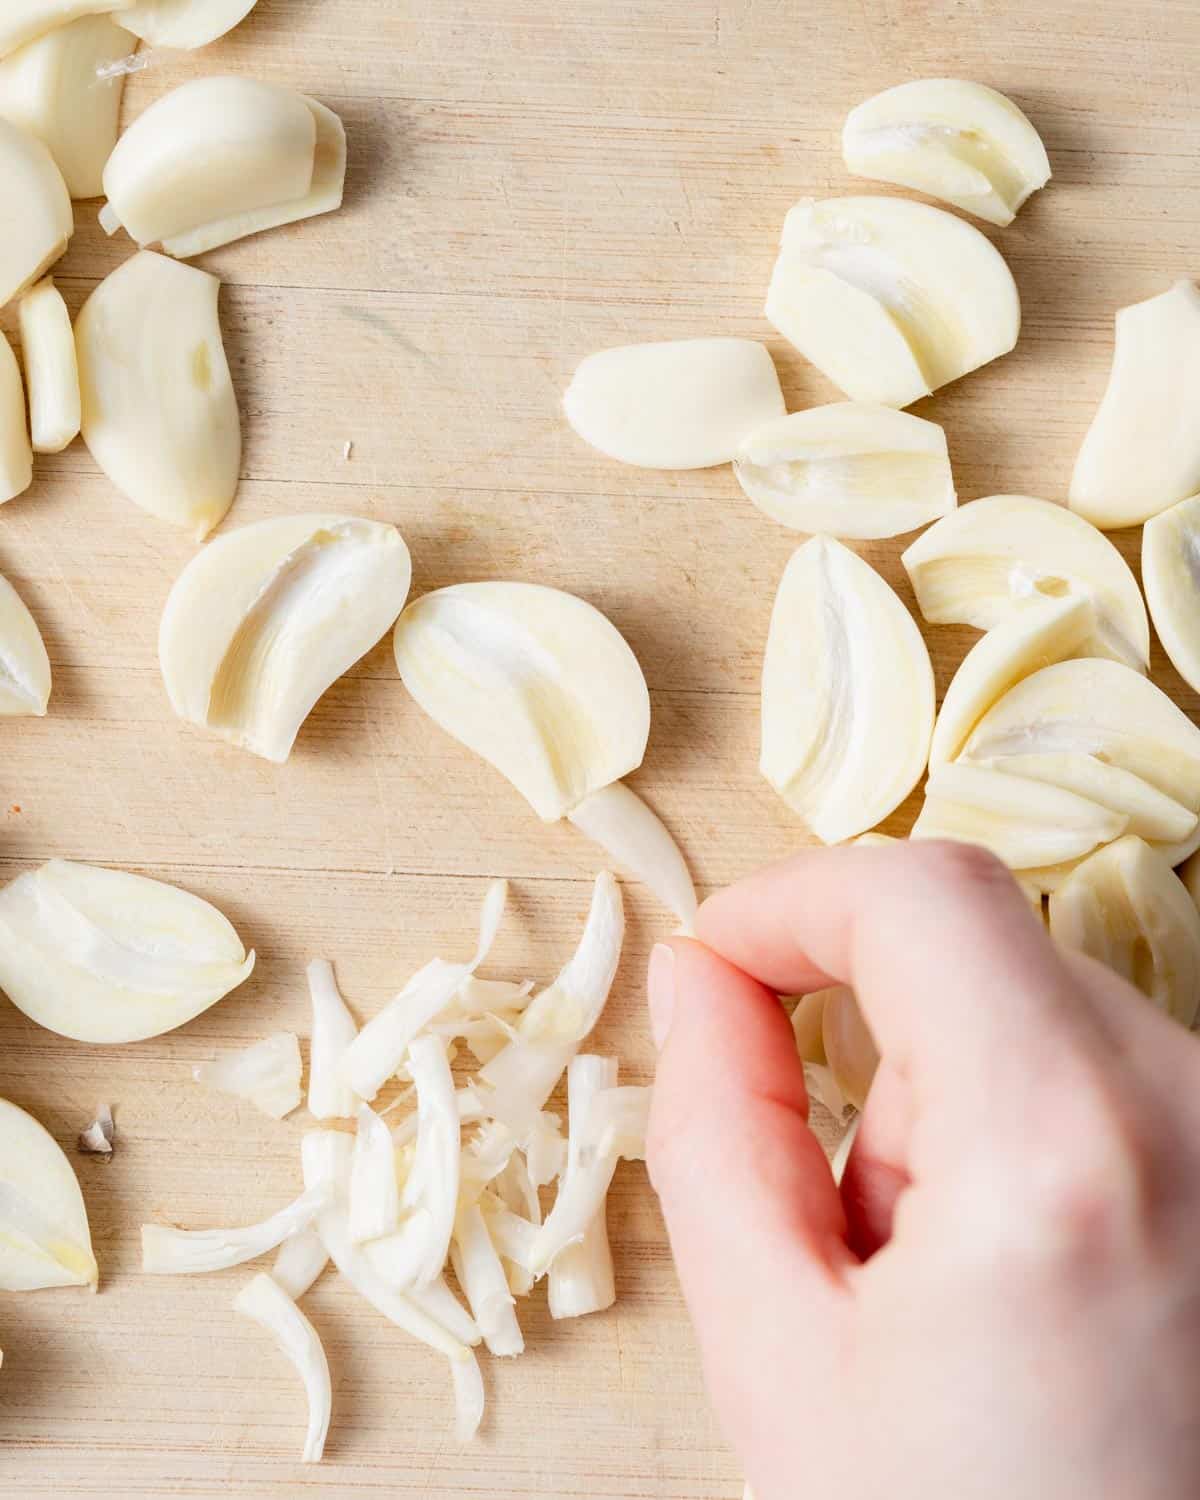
(660, 991)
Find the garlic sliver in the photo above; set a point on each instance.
(1025, 823)
(103, 956)
(268, 1305)
(64, 89)
(591, 1163)
(267, 1074)
(849, 1047)
(1151, 814)
(1171, 578)
(890, 299)
(16, 454)
(1021, 644)
(1126, 907)
(534, 680)
(849, 470)
(481, 1276)
(51, 367)
(184, 24)
(159, 412)
(333, 1030)
(266, 618)
(36, 236)
(24, 665)
(1142, 451)
(44, 1235)
(619, 821)
(24, 20)
(1006, 553)
(682, 405)
(468, 1397)
(958, 141)
(373, 1193)
(299, 1262)
(847, 693)
(191, 1252)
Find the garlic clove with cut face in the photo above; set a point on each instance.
(36, 235)
(1171, 578)
(184, 24)
(51, 367)
(16, 452)
(44, 1235)
(24, 665)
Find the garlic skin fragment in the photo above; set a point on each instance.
(1142, 452)
(103, 956)
(997, 556)
(333, 1030)
(16, 454)
(958, 141)
(1126, 907)
(266, 1073)
(185, 24)
(51, 367)
(682, 405)
(890, 299)
(159, 412)
(267, 1304)
(23, 21)
(1171, 578)
(37, 236)
(268, 617)
(44, 1236)
(847, 693)
(850, 469)
(24, 665)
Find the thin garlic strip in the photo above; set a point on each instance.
(265, 1302)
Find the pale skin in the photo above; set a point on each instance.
(1003, 1300)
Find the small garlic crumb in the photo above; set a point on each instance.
(97, 1139)
(347, 450)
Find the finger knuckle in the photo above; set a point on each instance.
(963, 867)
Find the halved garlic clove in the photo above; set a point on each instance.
(268, 617)
(44, 1235)
(221, 158)
(849, 470)
(1010, 552)
(1171, 578)
(24, 665)
(51, 367)
(891, 299)
(23, 21)
(847, 693)
(37, 236)
(1021, 644)
(1142, 451)
(159, 412)
(16, 453)
(1126, 907)
(1025, 823)
(682, 405)
(958, 141)
(185, 24)
(103, 956)
(63, 89)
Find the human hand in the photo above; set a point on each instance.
(1003, 1302)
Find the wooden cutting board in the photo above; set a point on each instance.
(529, 181)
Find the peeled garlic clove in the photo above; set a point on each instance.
(159, 412)
(1010, 651)
(24, 665)
(1025, 823)
(682, 405)
(37, 236)
(849, 1047)
(1142, 451)
(849, 469)
(847, 693)
(24, 20)
(51, 367)
(890, 299)
(185, 24)
(63, 89)
(1171, 578)
(268, 617)
(44, 1235)
(16, 454)
(103, 956)
(1010, 552)
(220, 158)
(961, 142)
(1126, 907)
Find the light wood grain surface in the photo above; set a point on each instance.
(529, 180)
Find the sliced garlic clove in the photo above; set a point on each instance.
(23, 21)
(268, 617)
(24, 665)
(682, 405)
(44, 1235)
(890, 299)
(1025, 823)
(220, 158)
(16, 454)
(37, 236)
(1127, 908)
(63, 89)
(159, 412)
(1171, 578)
(51, 367)
(1142, 451)
(847, 693)
(619, 821)
(849, 1047)
(849, 470)
(1021, 644)
(185, 24)
(103, 956)
(1010, 552)
(958, 141)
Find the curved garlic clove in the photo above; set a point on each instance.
(103, 956)
(23, 21)
(891, 299)
(185, 24)
(849, 1047)
(268, 617)
(37, 236)
(849, 470)
(159, 412)
(24, 665)
(63, 89)
(16, 453)
(681, 405)
(619, 821)
(1127, 908)
(44, 1236)
(220, 158)
(958, 141)
(1010, 552)
(1171, 578)
(1142, 451)
(51, 367)
(847, 693)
